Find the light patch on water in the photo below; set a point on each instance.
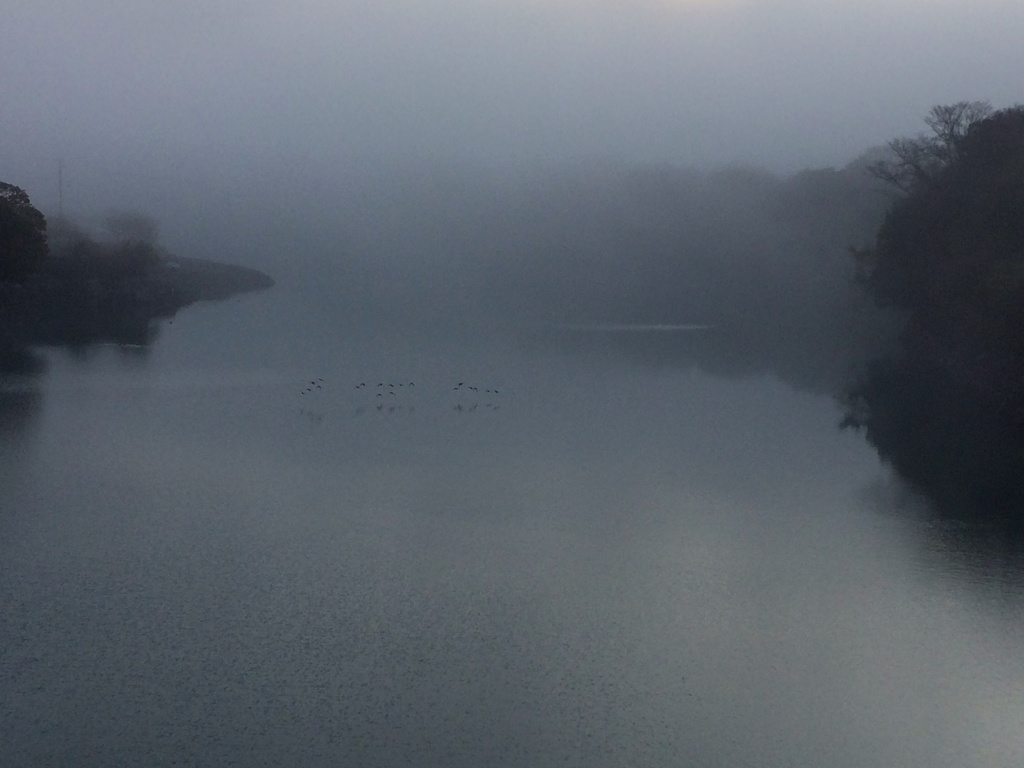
(635, 327)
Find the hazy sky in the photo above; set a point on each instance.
(782, 83)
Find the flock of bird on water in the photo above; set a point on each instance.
(392, 397)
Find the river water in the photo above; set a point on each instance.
(598, 562)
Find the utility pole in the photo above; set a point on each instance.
(60, 188)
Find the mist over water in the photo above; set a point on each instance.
(222, 550)
(531, 456)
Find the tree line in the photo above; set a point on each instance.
(947, 409)
(764, 259)
(62, 286)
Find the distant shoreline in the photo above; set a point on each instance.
(634, 327)
(214, 280)
(81, 300)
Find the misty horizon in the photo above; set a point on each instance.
(506, 84)
(514, 437)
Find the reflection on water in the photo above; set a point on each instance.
(20, 399)
(18, 407)
(19, 361)
(210, 559)
(979, 555)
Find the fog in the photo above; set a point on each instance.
(212, 117)
(659, 549)
(435, 151)
(782, 83)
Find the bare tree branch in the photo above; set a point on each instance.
(917, 161)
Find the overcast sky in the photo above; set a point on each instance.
(784, 84)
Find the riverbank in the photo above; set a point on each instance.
(79, 299)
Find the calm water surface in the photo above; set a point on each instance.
(601, 564)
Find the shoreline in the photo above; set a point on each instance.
(78, 301)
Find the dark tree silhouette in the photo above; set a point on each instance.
(948, 412)
(917, 161)
(22, 234)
